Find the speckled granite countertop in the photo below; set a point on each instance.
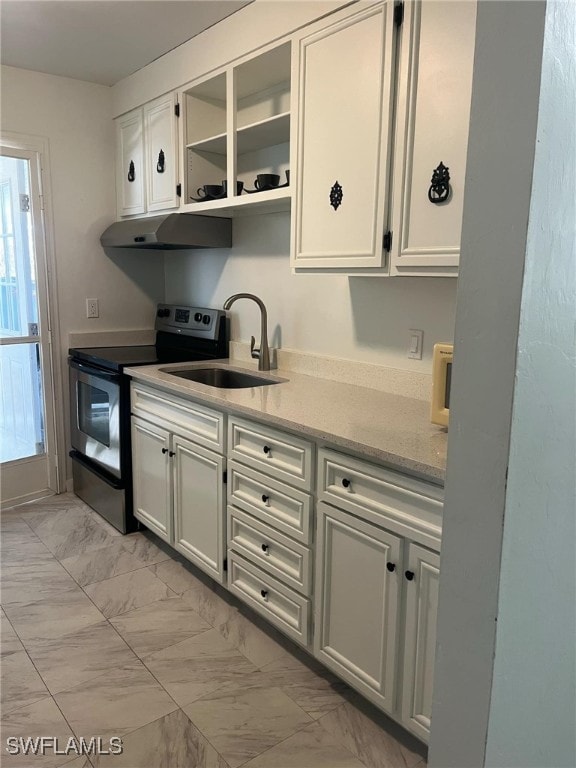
(388, 428)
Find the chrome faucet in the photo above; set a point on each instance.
(262, 354)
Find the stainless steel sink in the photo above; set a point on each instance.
(223, 378)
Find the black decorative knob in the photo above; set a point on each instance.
(171, 453)
(336, 195)
(264, 593)
(346, 482)
(265, 547)
(409, 575)
(164, 450)
(131, 171)
(161, 164)
(439, 190)
(266, 449)
(391, 567)
(265, 498)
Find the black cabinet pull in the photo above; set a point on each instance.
(264, 593)
(266, 449)
(164, 450)
(161, 164)
(346, 482)
(171, 453)
(265, 548)
(131, 171)
(265, 498)
(391, 567)
(409, 575)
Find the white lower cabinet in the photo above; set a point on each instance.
(421, 575)
(357, 591)
(372, 545)
(151, 477)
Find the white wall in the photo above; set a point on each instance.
(363, 319)
(76, 119)
(533, 702)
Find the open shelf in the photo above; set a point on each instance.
(264, 133)
(215, 144)
(263, 202)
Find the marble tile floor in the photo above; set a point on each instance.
(109, 635)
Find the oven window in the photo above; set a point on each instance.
(94, 412)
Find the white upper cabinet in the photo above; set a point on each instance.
(147, 158)
(161, 153)
(130, 175)
(433, 114)
(344, 116)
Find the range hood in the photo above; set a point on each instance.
(169, 232)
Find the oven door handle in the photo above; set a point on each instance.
(88, 369)
(116, 484)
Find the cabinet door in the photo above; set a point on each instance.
(161, 153)
(420, 638)
(151, 477)
(434, 92)
(199, 510)
(344, 107)
(130, 178)
(358, 573)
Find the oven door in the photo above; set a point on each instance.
(95, 415)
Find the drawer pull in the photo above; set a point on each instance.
(265, 548)
(268, 451)
(409, 575)
(391, 567)
(164, 450)
(266, 499)
(264, 593)
(346, 483)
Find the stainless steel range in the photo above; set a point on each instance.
(100, 403)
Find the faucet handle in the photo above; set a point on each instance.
(255, 353)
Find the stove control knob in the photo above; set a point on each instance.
(198, 317)
(163, 312)
(206, 319)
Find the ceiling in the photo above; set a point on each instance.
(101, 41)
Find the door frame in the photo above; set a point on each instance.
(36, 150)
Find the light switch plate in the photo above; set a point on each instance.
(416, 339)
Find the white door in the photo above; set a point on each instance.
(421, 576)
(130, 171)
(161, 154)
(151, 477)
(199, 506)
(27, 428)
(358, 576)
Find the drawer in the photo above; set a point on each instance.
(285, 509)
(277, 453)
(197, 423)
(283, 558)
(283, 607)
(404, 504)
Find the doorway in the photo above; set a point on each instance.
(28, 456)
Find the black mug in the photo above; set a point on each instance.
(266, 180)
(209, 190)
(239, 187)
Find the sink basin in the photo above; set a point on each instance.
(223, 378)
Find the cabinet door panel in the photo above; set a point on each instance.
(343, 137)
(199, 506)
(354, 588)
(432, 127)
(420, 639)
(161, 157)
(130, 179)
(151, 477)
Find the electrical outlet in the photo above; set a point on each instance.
(92, 308)
(415, 344)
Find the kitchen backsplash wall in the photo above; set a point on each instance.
(364, 319)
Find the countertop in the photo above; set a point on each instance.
(387, 428)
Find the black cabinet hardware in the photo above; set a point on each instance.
(264, 593)
(345, 482)
(164, 450)
(171, 453)
(266, 449)
(265, 498)
(265, 547)
(161, 164)
(131, 171)
(409, 575)
(439, 190)
(391, 567)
